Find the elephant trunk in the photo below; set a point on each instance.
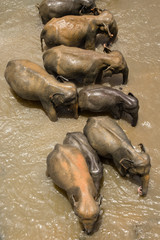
(134, 118)
(125, 73)
(75, 110)
(145, 182)
(114, 31)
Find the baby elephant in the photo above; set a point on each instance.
(68, 170)
(78, 31)
(79, 140)
(109, 140)
(84, 66)
(31, 82)
(58, 8)
(99, 98)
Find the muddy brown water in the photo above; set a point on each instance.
(30, 206)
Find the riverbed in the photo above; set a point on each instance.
(30, 205)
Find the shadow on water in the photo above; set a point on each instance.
(27, 103)
(125, 116)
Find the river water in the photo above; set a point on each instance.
(30, 206)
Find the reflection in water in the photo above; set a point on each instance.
(30, 206)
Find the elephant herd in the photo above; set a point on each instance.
(71, 61)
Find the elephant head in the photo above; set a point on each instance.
(116, 64)
(106, 18)
(87, 212)
(104, 28)
(139, 166)
(67, 100)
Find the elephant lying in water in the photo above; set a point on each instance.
(68, 170)
(79, 140)
(58, 8)
(32, 82)
(84, 66)
(99, 98)
(79, 31)
(109, 140)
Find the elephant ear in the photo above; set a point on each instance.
(126, 163)
(57, 99)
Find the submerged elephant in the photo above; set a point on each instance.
(49, 9)
(79, 140)
(31, 82)
(102, 99)
(68, 170)
(109, 140)
(78, 31)
(84, 66)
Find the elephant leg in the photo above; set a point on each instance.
(99, 77)
(120, 169)
(90, 42)
(49, 109)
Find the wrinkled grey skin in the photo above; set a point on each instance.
(79, 140)
(68, 169)
(102, 99)
(108, 139)
(84, 66)
(31, 82)
(78, 31)
(49, 9)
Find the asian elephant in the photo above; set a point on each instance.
(79, 140)
(78, 31)
(31, 82)
(109, 140)
(84, 66)
(103, 99)
(109, 22)
(49, 9)
(69, 171)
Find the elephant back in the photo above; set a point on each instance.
(105, 135)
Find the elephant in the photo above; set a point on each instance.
(68, 169)
(103, 99)
(84, 66)
(109, 140)
(31, 82)
(109, 21)
(79, 140)
(78, 31)
(49, 9)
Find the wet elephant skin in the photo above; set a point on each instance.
(31, 82)
(84, 66)
(108, 139)
(79, 140)
(52, 8)
(103, 99)
(68, 169)
(79, 31)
